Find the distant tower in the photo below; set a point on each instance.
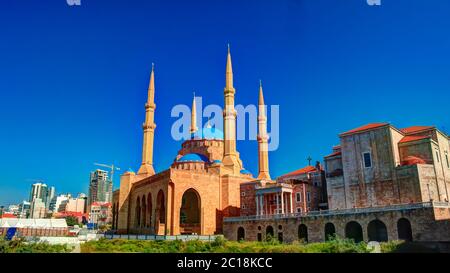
(149, 129)
(231, 156)
(263, 146)
(194, 128)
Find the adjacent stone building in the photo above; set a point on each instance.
(378, 165)
(382, 183)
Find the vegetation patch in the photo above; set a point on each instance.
(19, 245)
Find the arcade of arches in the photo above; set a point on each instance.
(374, 230)
(148, 218)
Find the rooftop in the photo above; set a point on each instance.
(412, 138)
(304, 170)
(367, 127)
(415, 129)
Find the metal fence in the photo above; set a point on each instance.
(207, 238)
(340, 212)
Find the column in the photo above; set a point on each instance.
(278, 205)
(257, 205)
(290, 198)
(282, 202)
(261, 201)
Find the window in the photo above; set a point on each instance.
(308, 197)
(437, 155)
(243, 193)
(446, 158)
(367, 160)
(298, 197)
(299, 210)
(243, 206)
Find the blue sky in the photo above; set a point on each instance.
(73, 80)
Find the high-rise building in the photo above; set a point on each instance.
(50, 197)
(38, 209)
(24, 209)
(100, 187)
(38, 190)
(60, 202)
(45, 193)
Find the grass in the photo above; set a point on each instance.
(221, 245)
(20, 246)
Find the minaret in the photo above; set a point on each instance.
(193, 118)
(231, 157)
(149, 128)
(263, 147)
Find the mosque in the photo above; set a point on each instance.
(201, 187)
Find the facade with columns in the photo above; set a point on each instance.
(202, 185)
(300, 191)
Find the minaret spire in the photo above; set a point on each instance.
(263, 147)
(229, 72)
(149, 128)
(231, 156)
(193, 118)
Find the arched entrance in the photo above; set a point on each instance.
(138, 213)
(190, 213)
(377, 231)
(143, 212)
(404, 230)
(330, 231)
(303, 233)
(353, 230)
(160, 221)
(241, 234)
(269, 233)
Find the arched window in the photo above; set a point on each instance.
(241, 234)
(138, 212)
(353, 230)
(269, 232)
(377, 231)
(143, 212)
(330, 231)
(404, 230)
(149, 210)
(303, 233)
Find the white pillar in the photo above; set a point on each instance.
(278, 205)
(292, 207)
(261, 209)
(282, 202)
(257, 205)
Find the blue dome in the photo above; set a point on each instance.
(244, 171)
(208, 133)
(193, 158)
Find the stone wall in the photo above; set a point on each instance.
(428, 224)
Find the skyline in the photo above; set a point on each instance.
(87, 77)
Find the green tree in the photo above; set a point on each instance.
(71, 221)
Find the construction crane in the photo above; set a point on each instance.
(111, 167)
